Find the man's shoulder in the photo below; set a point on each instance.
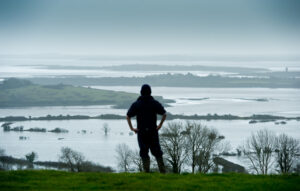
(149, 100)
(155, 101)
(135, 103)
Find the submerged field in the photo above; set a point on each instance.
(58, 180)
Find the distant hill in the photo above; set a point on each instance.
(22, 93)
(156, 67)
(177, 80)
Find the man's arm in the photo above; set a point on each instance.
(130, 125)
(161, 121)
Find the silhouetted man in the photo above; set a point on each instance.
(145, 109)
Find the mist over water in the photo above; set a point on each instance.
(55, 67)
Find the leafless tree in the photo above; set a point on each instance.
(173, 145)
(194, 137)
(201, 143)
(124, 157)
(105, 128)
(137, 161)
(209, 144)
(73, 159)
(132, 159)
(287, 150)
(258, 150)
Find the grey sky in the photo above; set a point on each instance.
(147, 27)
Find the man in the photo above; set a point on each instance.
(145, 109)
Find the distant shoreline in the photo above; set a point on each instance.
(176, 80)
(253, 118)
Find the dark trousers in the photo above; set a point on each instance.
(149, 140)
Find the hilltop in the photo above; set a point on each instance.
(59, 180)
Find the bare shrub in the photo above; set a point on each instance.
(194, 138)
(258, 150)
(209, 144)
(200, 145)
(124, 157)
(31, 157)
(173, 145)
(6, 126)
(137, 161)
(287, 151)
(73, 159)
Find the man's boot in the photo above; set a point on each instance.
(146, 164)
(161, 165)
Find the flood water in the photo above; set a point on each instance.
(87, 136)
(101, 149)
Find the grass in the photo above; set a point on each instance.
(64, 95)
(58, 180)
(36, 95)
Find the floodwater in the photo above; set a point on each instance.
(87, 136)
(101, 149)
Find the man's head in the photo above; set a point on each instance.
(146, 90)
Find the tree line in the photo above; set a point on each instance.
(255, 118)
(68, 159)
(177, 80)
(198, 147)
(187, 145)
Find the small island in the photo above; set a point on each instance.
(23, 93)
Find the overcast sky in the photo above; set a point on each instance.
(150, 27)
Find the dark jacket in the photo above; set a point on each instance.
(145, 108)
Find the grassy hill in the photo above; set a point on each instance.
(22, 93)
(58, 180)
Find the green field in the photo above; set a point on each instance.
(58, 180)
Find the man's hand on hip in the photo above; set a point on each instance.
(135, 130)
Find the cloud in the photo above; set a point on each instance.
(155, 27)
